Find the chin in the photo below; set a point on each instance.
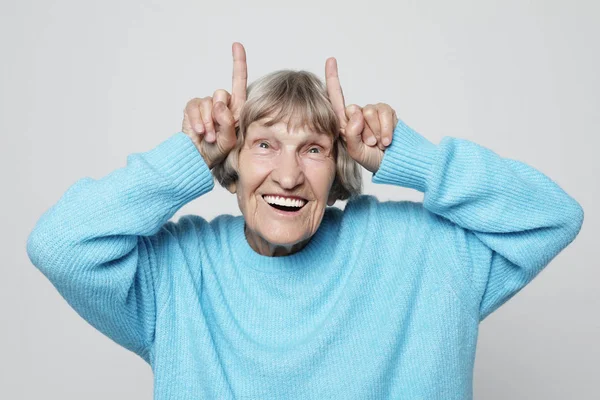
(284, 237)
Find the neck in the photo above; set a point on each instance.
(265, 248)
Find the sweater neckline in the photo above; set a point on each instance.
(321, 247)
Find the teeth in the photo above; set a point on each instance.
(281, 201)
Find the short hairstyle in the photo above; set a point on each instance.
(301, 96)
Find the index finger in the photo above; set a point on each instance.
(334, 89)
(240, 73)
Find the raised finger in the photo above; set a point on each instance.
(334, 89)
(240, 76)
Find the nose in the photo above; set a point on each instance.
(288, 172)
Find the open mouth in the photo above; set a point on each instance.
(285, 208)
(284, 204)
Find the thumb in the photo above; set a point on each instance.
(353, 132)
(226, 122)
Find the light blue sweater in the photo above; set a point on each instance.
(384, 302)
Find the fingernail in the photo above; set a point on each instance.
(386, 140)
(371, 141)
(198, 128)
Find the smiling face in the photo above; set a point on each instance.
(283, 186)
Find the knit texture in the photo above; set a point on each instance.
(384, 302)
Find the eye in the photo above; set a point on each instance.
(265, 143)
(314, 148)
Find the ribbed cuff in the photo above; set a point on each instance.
(407, 161)
(179, 161)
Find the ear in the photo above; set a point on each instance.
(331, 200)
(232, 187)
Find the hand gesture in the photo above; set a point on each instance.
(367, 131)
(210, 121)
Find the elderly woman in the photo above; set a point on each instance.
(295, 299)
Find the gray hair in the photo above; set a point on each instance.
(301, 96)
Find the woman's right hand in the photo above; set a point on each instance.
(210, 122)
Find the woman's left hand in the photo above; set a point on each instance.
(367, 131)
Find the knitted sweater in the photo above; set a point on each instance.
(383, 302)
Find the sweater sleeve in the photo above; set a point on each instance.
(98, 244)
(515, 219)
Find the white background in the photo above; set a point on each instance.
(83, 84)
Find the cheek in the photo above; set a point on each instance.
(251, 175)
(321, 176)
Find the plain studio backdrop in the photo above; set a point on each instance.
(84, 84)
